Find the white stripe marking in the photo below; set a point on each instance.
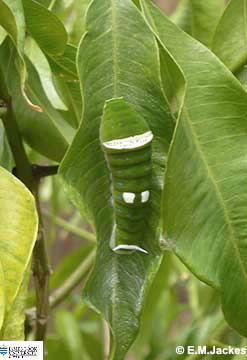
(119, 248)
(145, 196)
(129, 197)
(131, 142)
(124, 248)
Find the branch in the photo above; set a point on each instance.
(24, 172)
(41, 273)
(40, 171)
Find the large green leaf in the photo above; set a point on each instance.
(205, 196)
(230, 40)
(45, 27)
(18, 229)
(114, 61)
(199, 18)
(47, 132)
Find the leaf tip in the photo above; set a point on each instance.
(29, 102)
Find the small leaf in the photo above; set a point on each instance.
(45, 27)
(67, 83)
(39, 61)
(204, 204)
(65, 64)
(199, 18)
(205, 17)
(173, 80)
(182, 16)
(230, 42)
(18, 225)
(13, 21)
(47, 132)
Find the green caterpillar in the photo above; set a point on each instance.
(126, 141)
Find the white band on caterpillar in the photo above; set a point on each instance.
(129, 197)
(131, 142)
(120, 248)
(123, 248)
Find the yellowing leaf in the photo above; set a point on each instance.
(18, 230)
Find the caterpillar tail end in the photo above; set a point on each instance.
(123, 249)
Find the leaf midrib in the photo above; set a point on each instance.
(114, 46)
(115, 74)
(218, 192)
(245, 27)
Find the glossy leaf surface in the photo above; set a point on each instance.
(205, 205)
(114, 63)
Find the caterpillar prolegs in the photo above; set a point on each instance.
(126, 141)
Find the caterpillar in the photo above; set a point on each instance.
(126, 142)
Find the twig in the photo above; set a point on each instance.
(41, 273)
(24, 172)
(70, 228)
(40, 171)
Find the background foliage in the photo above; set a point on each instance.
(185, 74)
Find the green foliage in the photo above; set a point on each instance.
(112, 73)
(53, 37)
(199, 18)
(232, 49)
(74, 76)
(44, 131)
(219, 202)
